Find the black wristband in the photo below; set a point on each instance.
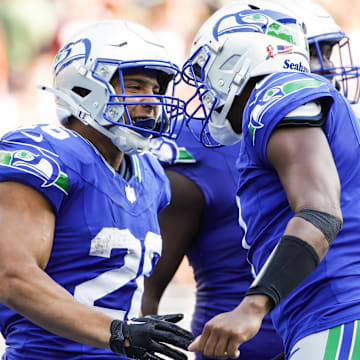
(290, 263)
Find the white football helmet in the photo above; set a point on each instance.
(320, 28)
(232, 46)
(84, 67)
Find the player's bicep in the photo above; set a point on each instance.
(26, 226)
(303, 160)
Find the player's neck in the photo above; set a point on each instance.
(237, 109)
(107, 149)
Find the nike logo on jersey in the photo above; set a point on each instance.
(37, 138)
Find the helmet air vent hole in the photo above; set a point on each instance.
(81, 91)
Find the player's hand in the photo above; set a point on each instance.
(140, 338)
(222, 335)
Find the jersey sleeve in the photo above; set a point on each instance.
(291, 99)
(27, 160)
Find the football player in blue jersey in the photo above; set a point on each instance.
(202, 222)
(79, 205)
(298, 183)
(203, 204)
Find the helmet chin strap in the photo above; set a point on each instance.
(220, 127)
(223, 133)
(126, 140)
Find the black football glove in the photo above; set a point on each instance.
(149, 335)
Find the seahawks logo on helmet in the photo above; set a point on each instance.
(71, 52)
(33, 160)
(240, 22)
(266, 22)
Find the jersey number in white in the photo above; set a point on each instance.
(106, 240)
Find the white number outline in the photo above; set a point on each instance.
(101, 245)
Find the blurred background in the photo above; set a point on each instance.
(31, 32)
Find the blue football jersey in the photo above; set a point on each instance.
(221, 270)
(107, 235)
(331, 294)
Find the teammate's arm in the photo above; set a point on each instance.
(179, 224)
(303, 160)
(27, 226)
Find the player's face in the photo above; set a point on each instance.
(315, 62)
(142, 84)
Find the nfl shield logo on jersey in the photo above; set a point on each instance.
(130, 193)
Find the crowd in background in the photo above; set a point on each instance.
(31, 32)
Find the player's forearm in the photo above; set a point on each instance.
(33, 294)
(155, 285)
(150, 302)
(149, 307)
(154, 288)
